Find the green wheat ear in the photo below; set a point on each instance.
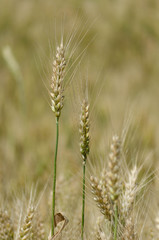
(84, 149)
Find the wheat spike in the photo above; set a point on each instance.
(129, 194)
(157, 225)
(57, 81)
(6, 226)
(104, 189)
(101, 197)
(151, 234)
(84, 130)
(129, 232)
(25, 232)
(113, 169)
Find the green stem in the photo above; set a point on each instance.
(83, 197)
(115, 222)
(54, 177)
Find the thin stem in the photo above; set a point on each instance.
(83, 197)
(115, 222)
(54, 177)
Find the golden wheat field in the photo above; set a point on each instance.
(79, 114)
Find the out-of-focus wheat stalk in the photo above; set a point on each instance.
(84, 148)
(15, 70)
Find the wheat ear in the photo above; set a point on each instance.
(99, 190)
(56, 105)
(129, 232)
(113, 178)
(129, 194)
(25, 232)
(6, 226)
(84, 149)
(157, 224)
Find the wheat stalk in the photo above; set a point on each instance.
(56, 105)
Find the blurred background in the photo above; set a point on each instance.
(121, 38)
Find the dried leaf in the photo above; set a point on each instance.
(57, 219)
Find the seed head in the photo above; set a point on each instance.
(99, 191)
(25, 232)
(157, 224)
(113, 169)
(57, 81)
(84, 130)
(129, 230)
(6, 226)
(130, 193)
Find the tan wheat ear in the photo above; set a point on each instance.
(113, 181)
(99, 191)
(25, 232)
(84, 149)
(129, 195)
(84, 130)
(157, 224)
(129, 230)
(6, 226)
(113, 169)
(57, 89)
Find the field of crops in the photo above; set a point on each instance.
(79, 97)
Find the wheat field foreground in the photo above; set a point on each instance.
(79, 132)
